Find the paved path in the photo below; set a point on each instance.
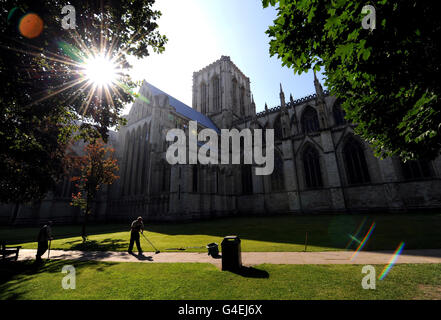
(249, 258)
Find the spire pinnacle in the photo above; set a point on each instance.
(318, 87)
(282, 97)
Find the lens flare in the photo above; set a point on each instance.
(100, 70)
(363, 242)
(392, 261)
(31, 26)
(91, 70)
(355, 235)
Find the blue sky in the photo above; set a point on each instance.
(201, 31)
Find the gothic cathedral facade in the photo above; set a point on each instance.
(320, 164)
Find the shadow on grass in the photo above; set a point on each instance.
(18, 234)
(332, 232)
(13, 274)
(103, 245)
(250, 272)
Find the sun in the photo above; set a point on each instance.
(100, 70)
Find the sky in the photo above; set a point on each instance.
(201, 31)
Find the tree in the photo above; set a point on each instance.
(45, 100)
(387, 78)
(97, 168)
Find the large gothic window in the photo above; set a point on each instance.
(234, 93)
(339, 114)
(356, 166)
(242, 101)
(277, 180)
(145, 159)
(294, 124)
(204, 96)
(217, 179)
(165, 183)
(311, 164)
(216, 94)
(416, 169)
(247, 179)
(195, 179)
(278, 132)
(257, 126)
(310, 122)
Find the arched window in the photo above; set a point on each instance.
(416, 169)
(234, 92)
(278, 132)
(165, 183)
(127, 163)
(217, 179)
(195, 179)
(242, 101)
(145, 159)
(311, 164)
(216, 94)
(258, 126)
(277, 180)
(203, 98)
(294, 124)
(356, 167)
(247, 179)
(339, 114)
(264, 135)
(132, 161)
(310, 122)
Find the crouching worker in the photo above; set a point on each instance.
(137, 226)
(44, 235)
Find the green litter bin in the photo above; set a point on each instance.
(231, 253)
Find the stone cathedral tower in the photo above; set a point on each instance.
(222, 92)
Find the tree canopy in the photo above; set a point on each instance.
(44, 98)
(387, 78)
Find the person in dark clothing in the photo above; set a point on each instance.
(44, 235)
(136, 227)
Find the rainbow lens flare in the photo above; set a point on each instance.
(392, 261)
(355, 235)
(363, 242)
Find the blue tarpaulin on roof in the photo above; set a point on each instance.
(184, 110)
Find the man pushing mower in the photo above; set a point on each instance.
(136, 227)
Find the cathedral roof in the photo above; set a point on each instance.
(184, 110)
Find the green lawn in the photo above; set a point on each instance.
(101, 280)
(281, 233)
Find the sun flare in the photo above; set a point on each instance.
(100, 70)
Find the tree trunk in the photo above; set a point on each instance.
(86, 216)
(83, 229)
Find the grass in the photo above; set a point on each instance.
(281, 233)
(103, 280)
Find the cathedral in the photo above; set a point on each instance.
(320, 165)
